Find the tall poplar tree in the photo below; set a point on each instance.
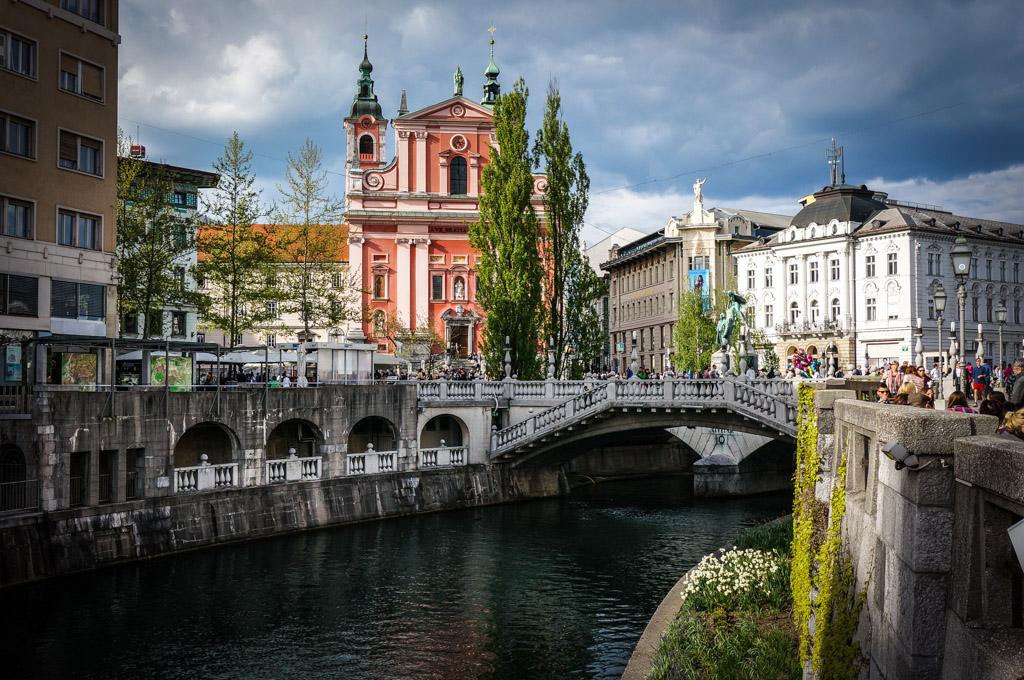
(240, 258)
(154, 244)
(572, 287)
(312, 239)
(507, 237)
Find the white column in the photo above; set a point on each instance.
(474, 171)
(443, 176)
(824, 276)
(404, 171)
(846, 278)
(802, 273)
(421, 162)
(422, 277)
(784, 287)
(355, 268)
(404, 304)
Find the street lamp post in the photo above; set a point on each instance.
(961, 255)
(1000, 319)
(939, 299)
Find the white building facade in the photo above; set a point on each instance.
(859, 270)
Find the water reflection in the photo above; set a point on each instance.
(549, 589)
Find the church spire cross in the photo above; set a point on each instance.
(491, 87)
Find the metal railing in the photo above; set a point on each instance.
(76, 491)
(131, 485)
(19, 496)
(106, 488)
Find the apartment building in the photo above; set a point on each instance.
(58, 170)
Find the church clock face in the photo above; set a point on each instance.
(459, 142)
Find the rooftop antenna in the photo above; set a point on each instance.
(837, 167)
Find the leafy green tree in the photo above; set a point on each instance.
(241, 259)
(571, 319)
(311, 237)
(507, 237)
(154, 244)
(696, 329)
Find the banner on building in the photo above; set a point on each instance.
(700, 281)
(178, 372)
(78, 368)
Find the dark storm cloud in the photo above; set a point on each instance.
(650, 89)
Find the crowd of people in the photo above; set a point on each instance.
(909, 385)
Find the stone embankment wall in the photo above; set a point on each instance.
(39, 546)
(944, 597)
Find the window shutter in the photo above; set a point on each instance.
(23, 295)
(69, 64)
(92, 81)
(63, 299)
(69, 147)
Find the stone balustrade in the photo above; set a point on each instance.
(293, 469)
(444, 457)
(772, 402)
(370, 462)
(205, 477)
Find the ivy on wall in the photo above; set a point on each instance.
(822, 578)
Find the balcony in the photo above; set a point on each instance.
(293, 469)
(205, 477)
(809, 327)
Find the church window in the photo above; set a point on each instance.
(457, 176)
(366, 145)
(437, 287)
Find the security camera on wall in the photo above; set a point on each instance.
(904, 458)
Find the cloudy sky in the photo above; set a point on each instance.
(926, 97)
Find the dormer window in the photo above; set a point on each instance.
(457, 176)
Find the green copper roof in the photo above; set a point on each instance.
(365, 100)
(491, 87)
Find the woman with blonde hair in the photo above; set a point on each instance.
(1013, 426)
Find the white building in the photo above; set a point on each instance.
(860, 270)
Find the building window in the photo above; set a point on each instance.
(931, 309)
(380, 289)
(339, 281)
(890, 264)
(179, 278)
(1016, 272)
(835, 309)
(437, 287)
(871, 306)
(19, 295)
(769, 317)
(80, 153)
(366, 145)
(90, 9)
(70, 300)
(794, 312)
(751, 279)
(767, 277)
(272, 309)
(794, 273)
(271, 340)
(974, 267)
(974, 308)
(457, 176)
(988, 269)
(16, 218)
(155, 321)
(833, 269)
(869, 266)
(80, 77)
(17, 135)
(814, 311)
(130, 323)
(79, 230)
(812, 273)
(988, 310)
(17, 53)
(1016, 311)
(1002, 271)
(459, 288)
(178, 323)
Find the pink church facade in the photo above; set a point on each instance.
(409, 215)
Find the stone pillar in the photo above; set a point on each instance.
(421, 284)
(404, 171)
(421, 162)
(403, 264)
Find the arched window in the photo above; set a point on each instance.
(814, 311)
(366, 145)
(794, 312)
(457, 176)
(835, 309)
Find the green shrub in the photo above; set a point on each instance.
(776, 534)
(708, 646)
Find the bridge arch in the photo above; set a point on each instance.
(450, 428)
(375, 430)
(216, 440)
(296, 433)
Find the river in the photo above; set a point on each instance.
(546, 589)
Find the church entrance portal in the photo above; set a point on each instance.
(459, 340)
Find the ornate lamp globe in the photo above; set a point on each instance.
(961, 255)
(1000, 312)
(940, 299)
